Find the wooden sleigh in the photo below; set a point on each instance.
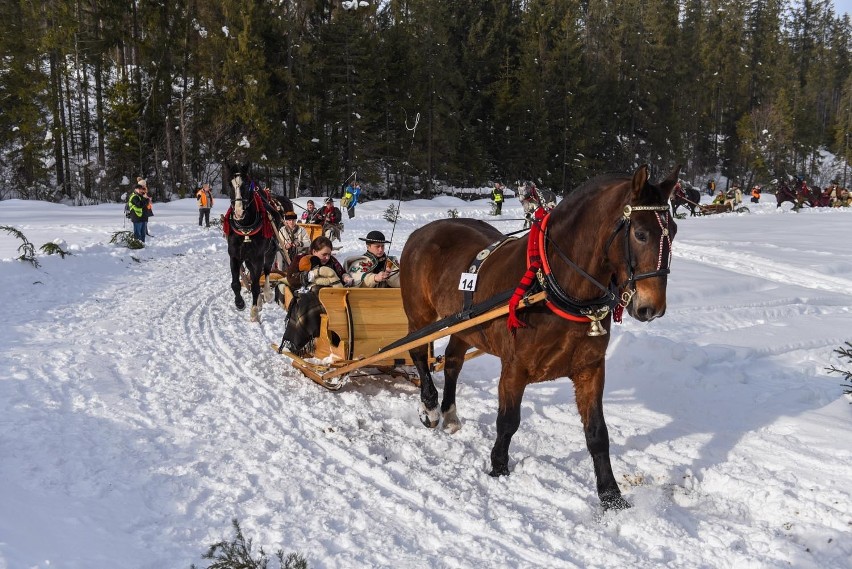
(367, 329)
(710, 209)
(313, 230)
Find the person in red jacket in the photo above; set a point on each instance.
(332, 220)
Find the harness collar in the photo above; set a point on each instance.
(560, 302)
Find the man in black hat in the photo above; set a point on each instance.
(374, 269)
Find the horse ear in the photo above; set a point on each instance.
(640, 176)
(668, 185)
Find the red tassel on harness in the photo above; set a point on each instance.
(533, 265)
(226, 223)
(266, 229)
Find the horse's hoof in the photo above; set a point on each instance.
(451, 421)
(429, 417)
(240, 304)
(255, 314)
(497, 471)
(614, 502)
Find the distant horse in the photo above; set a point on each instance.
(783, 193)
(607, 245)
(532, 200)
(820, 197)
(250, 226)
(809, 195)
(691, 198)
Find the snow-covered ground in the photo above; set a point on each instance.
(140, 413)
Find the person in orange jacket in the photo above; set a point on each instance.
(205, 202)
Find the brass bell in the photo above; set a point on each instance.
(596, 329)
(595, 326)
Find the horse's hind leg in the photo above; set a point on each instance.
(428, 393)
(268, 294)
(454, 360)
(254, 272)
(236, 286)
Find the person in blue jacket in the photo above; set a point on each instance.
(350, 198)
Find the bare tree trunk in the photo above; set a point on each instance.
(56, 112)
(70, 140)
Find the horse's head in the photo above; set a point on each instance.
(242, 190)
(642, 263)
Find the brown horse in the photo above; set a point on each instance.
(608, 244)
(783, 193)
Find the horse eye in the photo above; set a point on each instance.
(641, 236)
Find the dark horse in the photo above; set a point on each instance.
(608, 244)
(691, 198)
(783, 193)
(250, 227)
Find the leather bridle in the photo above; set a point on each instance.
(241, 226)
(563, 304)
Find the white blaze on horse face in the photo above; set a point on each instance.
(239, 210)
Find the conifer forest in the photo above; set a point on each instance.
(413, 94)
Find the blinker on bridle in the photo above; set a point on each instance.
(665, 238)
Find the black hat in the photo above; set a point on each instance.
(374, 237)
(290, 215)
(329, 200)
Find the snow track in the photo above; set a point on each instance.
(753, 265)
(140, 412)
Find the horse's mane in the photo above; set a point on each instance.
(591, 188)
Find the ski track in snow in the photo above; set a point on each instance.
(189, 415)
(749, 264)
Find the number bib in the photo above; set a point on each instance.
(467, 282)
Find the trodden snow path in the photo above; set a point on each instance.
(140, 413)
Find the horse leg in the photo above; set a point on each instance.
(454, 360)
(428, 392)
(588, 386)
(254, 271)
(511, 392)
(269, 258)
(235, 283)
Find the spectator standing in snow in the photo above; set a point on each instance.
(136, 204)
(205, 202)
(497, 196)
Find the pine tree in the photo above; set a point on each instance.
(23, 92)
